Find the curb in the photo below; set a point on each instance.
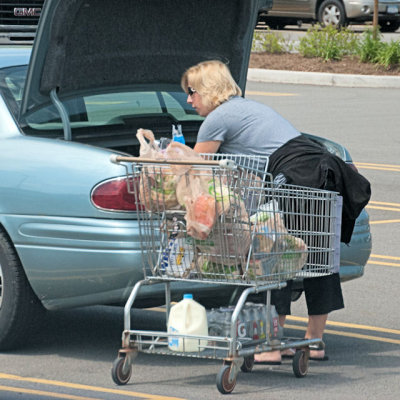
(323, 78)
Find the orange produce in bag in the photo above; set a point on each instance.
(200, 206)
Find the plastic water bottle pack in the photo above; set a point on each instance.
(252, 322)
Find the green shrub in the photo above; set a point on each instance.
(368, 46)
(388, 54)
(328, 43)
(271, 42)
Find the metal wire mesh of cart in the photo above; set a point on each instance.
(214, 224)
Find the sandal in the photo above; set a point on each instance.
(320, 347)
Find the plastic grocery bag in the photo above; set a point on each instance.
(177, 151)
(275, 251)
(229, 241)
(200, 206)
(157, 182)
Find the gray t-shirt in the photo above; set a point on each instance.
(246, 127)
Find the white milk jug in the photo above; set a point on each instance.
(187, 318)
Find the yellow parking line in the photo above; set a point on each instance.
(384, 221)
(44, 393)
(379, 262)
(349, 334)
(383, 263)
(87, 387)
(256, 93)
(383, 208)
(385, 203)
(361, 336)
(385, 257)
(349, 325)
(378, 167)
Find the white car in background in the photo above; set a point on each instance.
(332, 12)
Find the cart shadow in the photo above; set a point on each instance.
(202, 373)
(202, 377)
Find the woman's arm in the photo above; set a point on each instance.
(207, 147)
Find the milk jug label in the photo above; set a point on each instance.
(173, 342)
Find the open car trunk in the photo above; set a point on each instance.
(101, 69)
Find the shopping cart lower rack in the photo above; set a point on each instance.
(222, 221)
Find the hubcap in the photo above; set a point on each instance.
(331, 15)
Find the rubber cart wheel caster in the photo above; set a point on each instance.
(300, 363)
(248, 364)
(223, 384)
(117, 373)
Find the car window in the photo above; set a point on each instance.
(113, 112)
(12, 81)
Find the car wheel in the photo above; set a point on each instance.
(331, 12)
(389, 26)
(20, 310)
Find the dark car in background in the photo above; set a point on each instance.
(19, 20)
(338, 13)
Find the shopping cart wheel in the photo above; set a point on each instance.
(117, 373)
(248, 364)
(223, 384)
(300, 363)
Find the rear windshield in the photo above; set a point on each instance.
(108, 116)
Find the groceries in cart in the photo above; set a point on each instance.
(157, 187)
(215, 223)
(275, 251)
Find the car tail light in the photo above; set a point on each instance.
(113, 195)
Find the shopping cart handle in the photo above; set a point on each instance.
(228, 164)
(114, 158)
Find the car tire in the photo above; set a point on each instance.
(389, 25)
(20, 310)
(332, 12)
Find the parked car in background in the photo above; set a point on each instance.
(338, 13)
(68, 227)
(19, 19)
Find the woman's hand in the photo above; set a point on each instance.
(207, 147)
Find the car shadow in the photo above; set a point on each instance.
(86, 332)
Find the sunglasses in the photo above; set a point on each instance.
(191, 91)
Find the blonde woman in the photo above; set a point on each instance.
(236, 125)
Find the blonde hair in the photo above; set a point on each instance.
(213, 81)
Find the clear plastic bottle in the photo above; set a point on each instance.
(177, 135)
(187, 317)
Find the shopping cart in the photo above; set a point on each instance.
(254, 234)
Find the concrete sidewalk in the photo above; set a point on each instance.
(323, 79)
